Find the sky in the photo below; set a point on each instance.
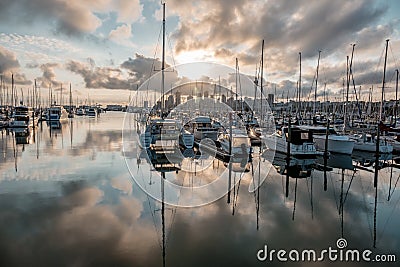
(105, 48)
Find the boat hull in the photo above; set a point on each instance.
(186, 140)
(280, 145)
(203, 134)
(342, 146)
(371, 147)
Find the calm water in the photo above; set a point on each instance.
(68, 199)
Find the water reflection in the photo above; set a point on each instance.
(67, 199)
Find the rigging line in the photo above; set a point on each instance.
(394, 59)
(380, 59)
(395, 185)
(312, 85)
(152, 63)
(283, 185)
(234, 193)
(240, 87)
(170, 225)
(366, 207)
(254, 185)
(153, 215)
(391, 78)
(310, 194)
(389, 217)
(154, 221)
(237, 195)
(348, 189)
(334, 192)
(295, 199)
(172, 52)
(173, 214)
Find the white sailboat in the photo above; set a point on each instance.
(240, 144)
(202, 127)
(366, 142)
(161, 134)
(301, 142)
(186, 139)
(57, 113)
(336, 143)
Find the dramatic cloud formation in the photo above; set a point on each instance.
(141, 68)
(8, 60)
(236, 30)
(70, 17)
(99, 77)
(48, 78)
(9, 65)
(110, 31)
(306, 26)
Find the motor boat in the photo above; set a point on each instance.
(202, 127)
(300, 140)
(57, 113)
(23, 117)
(342, 144)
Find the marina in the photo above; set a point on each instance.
(76, 176)
(229, 147)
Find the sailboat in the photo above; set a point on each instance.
(336, 143)
(70, 112)
(162, 133)
(300, 141)
(235, 142)
(202, 127)
(367, 142)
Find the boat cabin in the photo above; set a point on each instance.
(298, 136)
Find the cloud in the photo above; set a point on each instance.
(8, 60)
(122, 183)
(10, 64)
(121, 35)
(129, 11)
(141, 67)
(288, 27)
(69, 17)
(48, 78)
(100, 77)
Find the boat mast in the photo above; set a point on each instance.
(236, 83)
(383, 81)
(347, 95)
(396, 100)
(255, 93)
(299, 88)
(163, 64)
(163, 215)
(261, 81)
(1, 90)
(378, 131)
(12, 90)
(70, 99)
(316, 83)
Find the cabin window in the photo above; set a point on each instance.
(304, 136)
(239, 141)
